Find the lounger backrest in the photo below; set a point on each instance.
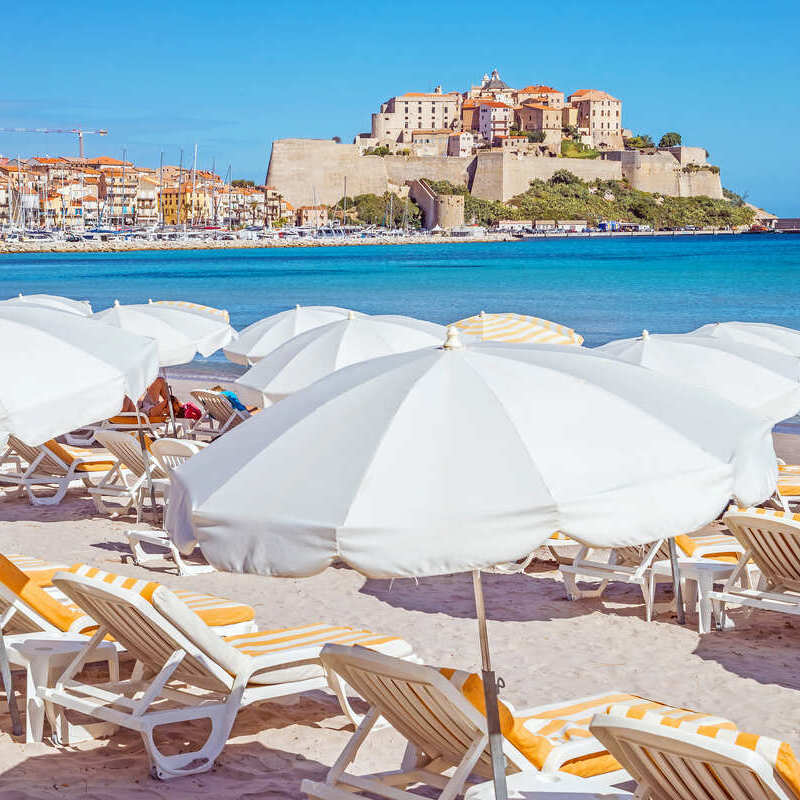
(152, 624)
(633, 555)
(216, 404)
(679, 764)
(418, 701)
(772, 539)
(172, 453)
(127, 450)
(36, 610)
(47, 464)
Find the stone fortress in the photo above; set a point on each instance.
(492, 139)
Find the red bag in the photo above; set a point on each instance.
(190, 411)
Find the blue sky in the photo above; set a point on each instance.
(234, 76)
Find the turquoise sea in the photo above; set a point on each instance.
(604, 288)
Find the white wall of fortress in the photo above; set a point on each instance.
(314, 170)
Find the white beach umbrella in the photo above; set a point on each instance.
(760, 334)
(220, 314)
(318, 352)
(262, 337)
(433, 328)
(451, 459)
(762, 380)
(81, 307)
(180, 334)
(60, 371)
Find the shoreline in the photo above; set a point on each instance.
(40, 246)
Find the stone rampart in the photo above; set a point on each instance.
(306, 171)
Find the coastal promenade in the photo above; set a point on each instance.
(45, 246)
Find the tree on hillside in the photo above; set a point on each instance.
(641, 142)
(564, 176)
(240, 183)
(571, 131)
(535, 137)
(670, 139)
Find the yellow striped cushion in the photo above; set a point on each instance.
(261, 642)
(779, 754)
(34, 596)
(789, 486)
(537, 736)
(721, 546)
(214, 611)
(769, 512)
(39, 571)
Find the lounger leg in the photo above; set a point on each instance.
(8, 686)
(649, 592)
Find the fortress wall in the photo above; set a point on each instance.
(307, 169)
(303, 170)
(501, 176)
(400, 169)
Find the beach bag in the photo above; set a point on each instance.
(190, 411)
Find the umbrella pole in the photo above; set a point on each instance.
(676, 581)
(169, 403)
(490, 695)
(8, 685)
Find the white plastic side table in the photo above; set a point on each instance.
(44, 656)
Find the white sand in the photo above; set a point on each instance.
(545, 647)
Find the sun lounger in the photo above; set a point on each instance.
(50, 464)
(154, 425)
(126, 480)
(675, 756)
(771, 540)
(170, 453)
(180, 655)
(637, 565)
(788, 491)
(441, 715)
(219, 415)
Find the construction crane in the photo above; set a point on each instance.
(79, 131)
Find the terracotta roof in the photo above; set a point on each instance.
(428, 94)
(494, 104)
(593, 94)
(106, 160)
(532, 104)
(538, 90)
(428, 131)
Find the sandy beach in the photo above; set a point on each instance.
(545, 648)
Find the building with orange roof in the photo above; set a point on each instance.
(314, 216)
(401, 115)
(546, 95)
(494, 119)
(537, 117)
(599, 116)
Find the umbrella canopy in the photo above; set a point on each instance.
(220, 314)
(517, 328)
(60, 371)
(82, 308)
(759, 334)
(180, 334)
(319, 352)
(432, 328)
(450, 459)
(762, 380)
(262, 337)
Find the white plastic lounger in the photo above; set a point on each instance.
(50, 464)
(436, 712)
(126, 481)
(770, 539)
(219, 415)
(170, 453)
(125, 421)
(701, 760)
(180, 656)
(638, 565)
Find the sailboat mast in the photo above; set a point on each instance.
(194, 179)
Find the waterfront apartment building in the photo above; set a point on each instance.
(185, 206)
(600, 116)
(314, 216)
(400, 116)
(495, 119)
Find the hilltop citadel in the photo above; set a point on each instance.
(493, 140)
